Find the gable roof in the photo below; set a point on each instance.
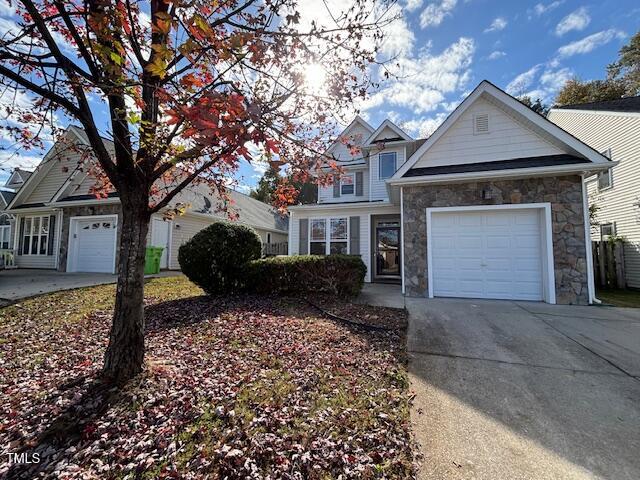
(401, 134)
(6, 196)
(626, 104)
(17, 177)
(536, 122)
(357, 120)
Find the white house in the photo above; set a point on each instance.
(613, 128)
(491, 205)
(60, 225)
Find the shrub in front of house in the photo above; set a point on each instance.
(215, 257)
(341, 275)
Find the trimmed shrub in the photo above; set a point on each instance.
(337, 274)
(215, 257)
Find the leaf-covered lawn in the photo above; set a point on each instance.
(239, 387)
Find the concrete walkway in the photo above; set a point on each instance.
(381, 295)
(23, 283)
(523, 390)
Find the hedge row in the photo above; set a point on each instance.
(223, 258)
(338, 274)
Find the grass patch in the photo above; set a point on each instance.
(620, 298)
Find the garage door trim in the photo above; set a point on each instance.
(72, 243)
(548, 271)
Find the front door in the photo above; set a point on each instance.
(388, 250)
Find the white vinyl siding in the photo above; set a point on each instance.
(38, 261)
(385, 134)
(378, 185)
(506, 139)
(59, 170)
(325, 194)
(619, 204)
(365, 230)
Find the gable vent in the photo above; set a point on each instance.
(481, 123)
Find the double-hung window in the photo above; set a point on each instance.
(35, 236)
(387, 161)
(347, 184)
(5, 231)
(328, 236)
(318, 237)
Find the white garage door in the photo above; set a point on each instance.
(487, 254)
(93, 245)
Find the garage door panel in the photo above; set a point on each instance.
(487, 254)
(93, 248)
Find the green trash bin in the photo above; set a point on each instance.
(152, 260)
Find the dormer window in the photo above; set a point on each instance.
(387, 162)
(480, 123)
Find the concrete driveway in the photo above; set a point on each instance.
(519, 390)
(23, 283)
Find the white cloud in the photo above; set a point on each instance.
(6, 10)
(423, 127)
(545, 86)
(496, 54)
(421, 82)
(398, 38)
(435, 13)
(522, 82)
(540, 8)
(412, 5)
(498, 24)
(10, 159)
(590, 43)
(577, 20)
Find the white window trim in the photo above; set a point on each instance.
(353, 184)
(327, 234)
(609, 173)
(395, 161)
(23, 235)
(548, 267)
(613, 230)
(4, 228)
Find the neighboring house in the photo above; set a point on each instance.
(490, 206)
(613, 128)
(7, 192)
(61, 225)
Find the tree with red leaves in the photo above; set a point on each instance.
(190, 87)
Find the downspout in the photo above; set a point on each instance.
(402, 238)
(588, 246)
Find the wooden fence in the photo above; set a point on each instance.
(272, 249)
(608, 264)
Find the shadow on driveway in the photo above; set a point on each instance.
(525, 390)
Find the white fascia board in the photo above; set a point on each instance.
(498, 175)
(339, 206)
(97, 201)
(507, 100)
(359, 120)
(387, 123)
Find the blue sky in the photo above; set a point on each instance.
(446, 47)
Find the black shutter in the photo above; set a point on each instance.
(359, 182)
(52, 233)
(21, 236)
(303, 237)
(336, 186)
(354, 235)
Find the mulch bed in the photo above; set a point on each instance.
(383, 318)
(238, 387)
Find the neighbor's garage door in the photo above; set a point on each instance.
(94, 245)
(487, 254)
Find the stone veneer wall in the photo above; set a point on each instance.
(82, 211)
(565, 196)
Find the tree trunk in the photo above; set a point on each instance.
(125, 353)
